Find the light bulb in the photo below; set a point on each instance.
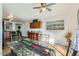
(10, 17)
(43, 8)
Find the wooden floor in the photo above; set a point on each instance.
(60, 49)
(6, 50)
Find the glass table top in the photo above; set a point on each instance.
(24, 48)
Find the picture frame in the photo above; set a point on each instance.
(55, 25)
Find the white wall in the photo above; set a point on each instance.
(0, 29)
(70, 17)
(67, 12)
(23, 29)
(13, 26)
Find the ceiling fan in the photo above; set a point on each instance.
(44, 6)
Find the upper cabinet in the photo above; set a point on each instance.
(35, 24)
(7, 26)
(12, 25)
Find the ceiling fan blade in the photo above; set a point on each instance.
(51, 4)
(36, 7)
(48, 9)
(5, 19)
(40, 10)
(43, 4)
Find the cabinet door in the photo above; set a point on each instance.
(30, 25)
(39, 24)
(7, 36)
(8, 26)
(35, 24)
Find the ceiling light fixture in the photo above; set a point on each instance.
(43, 8)
(10, 17)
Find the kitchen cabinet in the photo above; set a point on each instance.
(33, 35)
(35, 24)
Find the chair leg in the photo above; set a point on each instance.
(74, 53)
(68, 48)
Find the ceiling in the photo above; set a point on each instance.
(25, 11)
